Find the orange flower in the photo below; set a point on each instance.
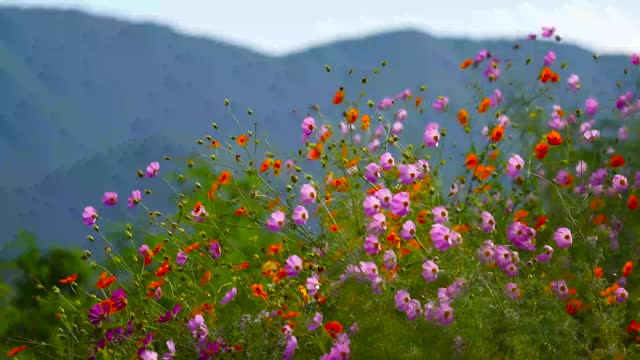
(484, 105)
(596, 204)
(418, 101)
(626, 269)
(494, 154)
(333, 328)
(365, 122)
(266, 164)
(191, 247)
(241, 266)
(463, 117)
(315, 152)
(224, 177)
(597, 272)
(554, 138)
(569, 180)
(16, 351)
(206, 277)
(554, 77)
(258, 291)
(69, 279)
(214, 144)
(164, 269)
(240, 211)
(274, 250)
(541, 150)
(634, 326)
(573, 306)
(545, 74)
(471, 161)
(339, 96)
(465, 64)
(242, 140)
(541, 221)
(600, 219)
(422, 215)
(520, 215)
(496, 133)
(632, 203)
(212, 191)
(352, 115)
(616, 161)
(482, 172)
(105, 280)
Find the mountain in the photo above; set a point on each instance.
(85, 101)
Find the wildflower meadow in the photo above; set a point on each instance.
(521, 243)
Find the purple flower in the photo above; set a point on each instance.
(591, 106)
(482, 55)
(293, 265)
(408, 230)
(581, 168)
(444, 314)
(110, 198)
(214, 249)
(292, 344)
(440, 214)
(276, 222)
(181, 258)
(408, 174)
(371, 245)
(378, 224)
(486, 252)
(560, 288)
(148, 355)
(514, 166)
(313, 284)
(441, 236)
(228, 296)
(430, 271)
(384, 195)
(621, 295)
(441, 103)
(172, 351)
(118, 299)
(563, 237)
(402, 300)
(317, 321)
(300, 215)
(512, 290)
(134, 199)
(598, 177)
(488, 222)
(152, 169)
(400, 204)
(574, 82)
(198, 327)
(168, 315)
(431, 135)
(549, 58)
(99, 312)
(307, 194)
(390, 260)
(620, 182)
(371, 205)
(386, 161)
(89, 215)
(546, 254)
(372, 173)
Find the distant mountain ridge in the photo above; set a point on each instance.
(85, 101)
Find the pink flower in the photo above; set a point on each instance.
(441, 237)
(514, 166)
(276, 222)
(591, 106)
(431, 135)
(620, 182)
(549, 58)
(110, 198)
(293, 265)
(400, 204)
(591, 135)
(563, 237)
(371, 245)
(401, 115)
(134, 199)
(430, 271)
(402, 300)
(390, 260)
(228, 296)
(378, 224)
(635, 59)
(372, 172)
(574, 82)
(488, 223)
(308, 125)
(441, 103)
(440, 214)
(547, 32)
(152, 169)
(621, 295)
(386, 161)
(312, 284)
(307, 194)
(214, 249)
(89, 215)
(408, 174)
(300, 215)
(371, 205)
(408, 230)
(386, 103)
(512, 290)
(444, 314)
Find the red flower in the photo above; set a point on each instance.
(333, 328)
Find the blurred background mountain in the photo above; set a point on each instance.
(86, 101)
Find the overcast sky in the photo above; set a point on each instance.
(280, 26)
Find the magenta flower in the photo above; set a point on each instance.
(118, 299)
(408, 230)
(431, 135)
(481, 56)
(110, 198)
(549, 58)
(228, 296)
(441, 237)
(214, 249)
(89, 215)
(547, 32)
(402, 300)
(514, 166)
(390, 260)
(307, 194)
(276, 222)
(430, 271)
(152, 169)
(384, 195)
(512, 290)
(134, 199)
(300, 215)
(181, 258)
(440, 214)
(635, 59)
(408, 174)
(99, 312)
(313, 284)
(620, 182)
(316, 322)
(563, 237)
(486, 252)
(400, 204)
(386, 161)
(621, 295)
(372, 172)
(371, 245)
(574, 82)
(371, 205)
(172, 351)
(441, 103)
(378, 224)
(488, 222)
(591, 106)
(546, 254)
(444, 314)
(293, 265)
(169, 315)
(198, 327)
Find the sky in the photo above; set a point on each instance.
(278, 27)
